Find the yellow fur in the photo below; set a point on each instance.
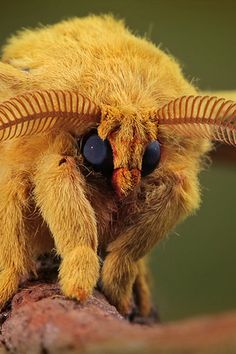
(129, 78)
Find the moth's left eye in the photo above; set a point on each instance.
(98, 153)
(151, 157)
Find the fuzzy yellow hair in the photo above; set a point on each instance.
(126, 80)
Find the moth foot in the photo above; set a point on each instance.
(78, 294)
(79, 272)
(150, 319)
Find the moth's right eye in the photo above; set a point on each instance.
(98, 153)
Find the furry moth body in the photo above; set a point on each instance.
(59, 85)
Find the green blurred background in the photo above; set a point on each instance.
(194, 271)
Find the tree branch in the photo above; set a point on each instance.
(40, 319)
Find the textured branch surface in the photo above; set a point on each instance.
(41, 320)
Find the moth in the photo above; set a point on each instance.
(101, 143)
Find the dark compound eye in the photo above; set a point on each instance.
(98, 153)
(151, 157)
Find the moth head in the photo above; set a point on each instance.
(132, 137)
(127, 141)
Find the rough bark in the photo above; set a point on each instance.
(39, 319)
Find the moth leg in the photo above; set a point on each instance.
(141, 289)
(15, 254)
(118, 276)
(144, 312)
(144, 229)
(60, 195)
(122, 279)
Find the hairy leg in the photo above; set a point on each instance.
(15, 252)
(60, 194)
(118, 276)
(141, 289)
(163, 203)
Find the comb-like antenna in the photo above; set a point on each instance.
(38, 111)
(201, 116)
